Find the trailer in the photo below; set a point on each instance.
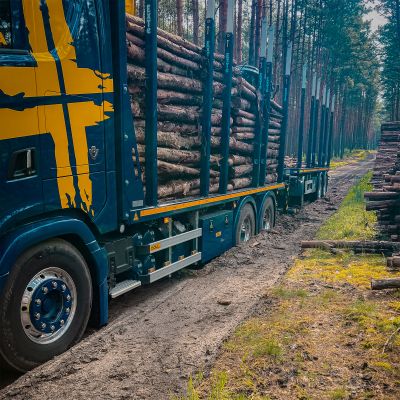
(78, 225)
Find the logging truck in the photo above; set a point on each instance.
(89, 208)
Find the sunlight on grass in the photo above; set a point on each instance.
(320, 319)
(351, 221)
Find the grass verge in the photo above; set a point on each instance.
(350, 157)
(322, 334)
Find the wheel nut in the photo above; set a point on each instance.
(62, 322)
(44, 289)
(63, 288)
(53, 328)
(54, 284)
(69, 298)
(43, 326)
(67, 310)
(37, 316)
(38, 302)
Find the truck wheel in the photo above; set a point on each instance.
(267, 215)
(45, 306)
(246, 226)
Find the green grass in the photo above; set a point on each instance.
(351, 221)
(324, 308)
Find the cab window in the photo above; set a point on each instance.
(5, 25)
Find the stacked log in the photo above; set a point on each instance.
(181, 71)
(385, 198)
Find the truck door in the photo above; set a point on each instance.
(20, 185)
(73, 115)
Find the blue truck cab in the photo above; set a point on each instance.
(77, 226)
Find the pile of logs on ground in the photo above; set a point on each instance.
(181, 71)
(385, 197)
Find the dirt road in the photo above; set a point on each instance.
(159, 335)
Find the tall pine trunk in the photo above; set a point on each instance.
(223, 11)
(239, 32)
(179, 16)
(196, 22)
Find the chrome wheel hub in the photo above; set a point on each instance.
(48, 305)
(267, 220)
(245, 230)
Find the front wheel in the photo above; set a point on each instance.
(246, 226)
(45, 306)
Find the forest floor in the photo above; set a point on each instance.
(160, 336)
(352, 157)
(321, 333)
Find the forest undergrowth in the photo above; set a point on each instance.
(322, 334)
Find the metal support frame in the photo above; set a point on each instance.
(259, 127)
(315, 124)
(266, 90)
(226, 111)
(328, 162)
(209, 47)
(311, 122)
(301, 124)
(322, 128)
(326, 128)
(150, 29)
(286, 92)
(128, 182)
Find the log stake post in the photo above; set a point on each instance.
(209, 48)
(326, 129)
(315, 124)
(302, 107)
(259, 128)
(311, 125)
(330, 141)
(266, 90)
(151, 101)
(226, 111)
(322, 128)
(286, 92)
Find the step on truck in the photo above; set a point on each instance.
(81, 221)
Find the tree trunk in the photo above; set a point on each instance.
(223, 13)
(239, 31)
(179, 16)
(196, 21)
(381, 284)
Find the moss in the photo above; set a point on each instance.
(338, 394)
(322, 324)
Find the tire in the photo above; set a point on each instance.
(320, 187)
(247, 221)
(326, 181)
(45, 306)
(267, 215)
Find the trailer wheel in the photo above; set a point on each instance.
(246, 225)
(46, 304)
(325, 186)
(267, 215)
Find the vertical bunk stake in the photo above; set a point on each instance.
(150, 18)
(267, 90)
(286, 91)
(315, 124)
(311, 123)
(330, 142)
(258, 156)
(301, 127)
(226, 111)
(326, 129)
(322, 129)
(209, 47)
